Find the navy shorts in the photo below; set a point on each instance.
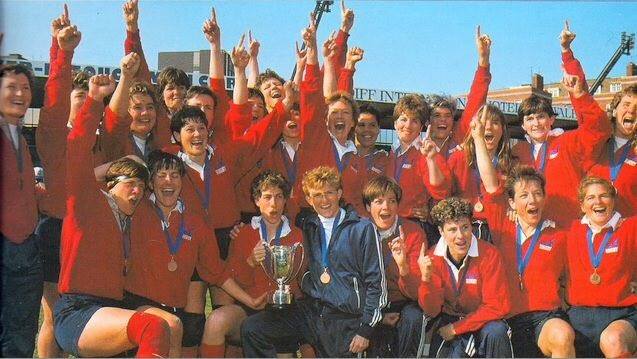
(50, 229)
(193, 323)
(71, 314)
(223, 240)
(590, 322)
(529, 325)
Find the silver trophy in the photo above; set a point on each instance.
(278, 265)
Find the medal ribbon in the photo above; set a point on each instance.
(615, 167)
(457, 286)
(476, 176)
(290, 166)
(264, 233)
(325, 260)
(173, 244)
(596, 258)
(398, 168)
(341, 165)
(125, 223)
(523, 260)
(207, 177)
(542, 155)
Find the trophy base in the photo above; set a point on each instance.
(280, 300)
(277, 307)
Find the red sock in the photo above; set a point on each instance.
(212, 351)
(626, 355)
(150, 333)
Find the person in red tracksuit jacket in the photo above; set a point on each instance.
(270, 191)
(168, 243)
(534, 255)
(563, 159)
(61, 94)
(600, 249)
(89, 316)
(463, 280)
(366, 133)
(401, 241)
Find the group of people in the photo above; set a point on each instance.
(154, 195)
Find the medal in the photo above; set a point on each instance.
(595, 278)
(325, 277)
(172, 265)
(478, 207)
(520, 282)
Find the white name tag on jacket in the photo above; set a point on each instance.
(612, 249)
(472, 281)
(630, 162)
(407, 165)
(220, 170)
(545, 247)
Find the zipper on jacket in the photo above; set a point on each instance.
(358, 296)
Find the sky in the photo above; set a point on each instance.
(410, 46)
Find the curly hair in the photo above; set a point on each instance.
(413, 105)
(319, 177)
(80, 80)
(268, 74)
(451, 209)
(143, 88)
(268, 179)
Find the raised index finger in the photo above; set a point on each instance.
(566, 26)
(478, 32)
(213, 15)
(240, 44)
(343, 9)
(66, 11)
(401, 233)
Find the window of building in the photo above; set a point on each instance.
(555, 91)
(615, 87)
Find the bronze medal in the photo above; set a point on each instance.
(595, 278)
(325, 277)
(172, 265)
(520, 282)
(478, 207)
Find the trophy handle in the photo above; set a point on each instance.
(268, 271)
(296, 272)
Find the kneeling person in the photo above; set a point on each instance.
(463, 280)
(344, 282)
(270, 191)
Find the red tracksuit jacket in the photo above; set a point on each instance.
(546, 266)
(148, 275)
(484, 295)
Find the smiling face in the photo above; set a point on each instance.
(324, 199)
(598, 204)
(626, 116)
(272, 90)
(528, 201)
(174, 96)
(367, 130)
(193, 137)
(206, 104)
(271, 204)
(441, 123)
(127, 194)
(15, 96)
(340, 120)
(141, 109)
(538, 126)
(384, 210)
(408, 128)
(292, 130)
(492, 133)
(457, 234)
(166, 185)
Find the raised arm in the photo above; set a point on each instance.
(346, 77)
(133, 41)
(479, 87)
(438, 181)
(301, 60)
(212, 32)
(240, 59)
(347, 22)
(330, 79)
(571, 65)
(253, 64)
(488, 172)
(118, 104)
(57, 24)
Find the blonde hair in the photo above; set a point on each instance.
(319, 177)
(592, 180)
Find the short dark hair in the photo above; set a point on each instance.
(268, 74)
(17, 69)
(159, 160)
(380, 186)
(267, 179)
(522, 173)
(442, 101)
(256, 93)
(172, 75)
(185, 115)
(201, 90)
(125, 167)
(451, 209)
(370, 109)
(534, 104)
